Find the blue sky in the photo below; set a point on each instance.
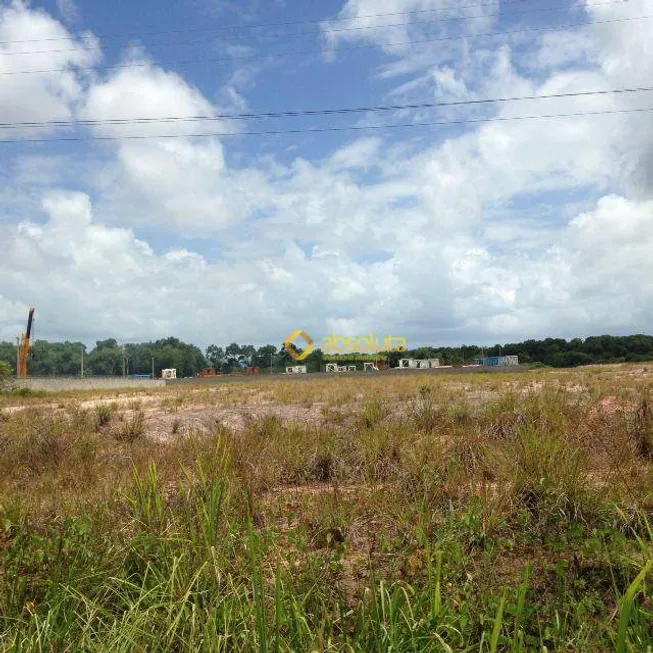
(469, 232)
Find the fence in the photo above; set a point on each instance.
(61, 383)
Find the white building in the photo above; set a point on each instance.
(334, 367)
(297, 369)
(418, 363)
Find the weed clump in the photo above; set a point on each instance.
(424, 411)
(641, 427)
(131, 428)
(104, 414)
(373, 413)
(547, 476)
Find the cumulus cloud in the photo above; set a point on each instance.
(146, 92)
(42, 96)
(494, 231)
(179, 184)
(97, 280)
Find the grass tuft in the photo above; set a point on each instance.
(131, 427)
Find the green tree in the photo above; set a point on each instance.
(215, 356)
(8, 354)
(104, 361)
(247, 353)
(284, 359)
(233, 356)
(264, 357)
(110, 343)
(6, 372)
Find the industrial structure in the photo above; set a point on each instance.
(296, 369)
(419, 363)
(25, 347)
(207, 371)
(497, 361)
(334, 367)
(379, 366)
(169, 374)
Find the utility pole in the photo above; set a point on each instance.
(17, 356)
(152, 366)
(81, 370)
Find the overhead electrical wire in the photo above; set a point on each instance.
(320, 112)
(336, 29)
(333, 111)
(259, 25)
(521, 30)
(327, 129)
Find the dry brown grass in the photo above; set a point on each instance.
(350, 481)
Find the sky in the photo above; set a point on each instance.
(438, 216)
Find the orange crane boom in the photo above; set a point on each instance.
(25, 346)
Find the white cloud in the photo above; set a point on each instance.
(358, 154)
(102, 280)
(404, 19)
(69, 10)
(147, 92)
(497, 231)
(45, 96)
(418, 34)
(179, 184)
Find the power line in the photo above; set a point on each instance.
(335, 29)
(326, 129)
(338, 49)
(259, 25)
(320, 112)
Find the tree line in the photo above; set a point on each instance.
(109, 358)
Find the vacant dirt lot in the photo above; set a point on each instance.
(406, 512)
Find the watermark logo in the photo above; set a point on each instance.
(336, 344)
(339, 345)
(288, 344)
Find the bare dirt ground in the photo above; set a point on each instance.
(337, 487)
(200, 408)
